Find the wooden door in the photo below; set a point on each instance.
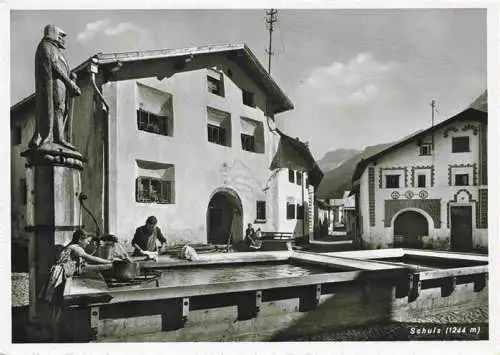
(461, 227)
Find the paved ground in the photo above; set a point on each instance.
(470, 324)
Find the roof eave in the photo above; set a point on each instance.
(279, 101)
(361, 166)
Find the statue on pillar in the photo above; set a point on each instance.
(55, 91)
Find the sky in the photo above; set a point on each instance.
(356, 77)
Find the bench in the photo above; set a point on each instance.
(277, 236)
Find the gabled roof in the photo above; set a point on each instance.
(181, 60)
(302, 149)
(478, 110)
(481, 103)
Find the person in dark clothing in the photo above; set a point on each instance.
(251, 238)
(249, 231)
(147, 237)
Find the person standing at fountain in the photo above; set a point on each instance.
(70, 259)
(147, 238)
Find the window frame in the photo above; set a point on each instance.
(245, 139)
(219, 129)
(419, 176)
(291, 176)
(392, 176)
(427, 146)
(260, 205)
(456, 146)
(248, 98)
(290, 211)
(140, 112)
(298, 178)
(456, 179)
(300, 211)
(218, 83)
(165, 185)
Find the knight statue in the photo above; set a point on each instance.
(55, 88)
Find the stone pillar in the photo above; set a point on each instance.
(54, 212)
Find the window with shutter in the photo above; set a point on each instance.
(154, 110)
(299, 177)
(218, 126)
(290, 210)
(300, 211)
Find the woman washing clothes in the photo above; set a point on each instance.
(71, 257)
(148, 239)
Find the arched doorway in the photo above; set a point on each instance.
(224, 217)
(410, 225)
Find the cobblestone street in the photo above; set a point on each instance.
(473, 317)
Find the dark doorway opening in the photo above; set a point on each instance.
(224, 218)
(409, 227)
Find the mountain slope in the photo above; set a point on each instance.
(334, 158)
(336, 181)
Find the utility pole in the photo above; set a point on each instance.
(433, 107)
(271, 19)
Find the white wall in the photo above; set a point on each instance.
(300, 195)
(201, 167)
(408, 156)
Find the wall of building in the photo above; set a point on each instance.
(87, 137)
(20, 212)
(201, 167)
(298, 193)
(432, 201)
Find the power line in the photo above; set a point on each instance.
(271, 19)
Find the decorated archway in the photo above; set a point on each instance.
(410, 225)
